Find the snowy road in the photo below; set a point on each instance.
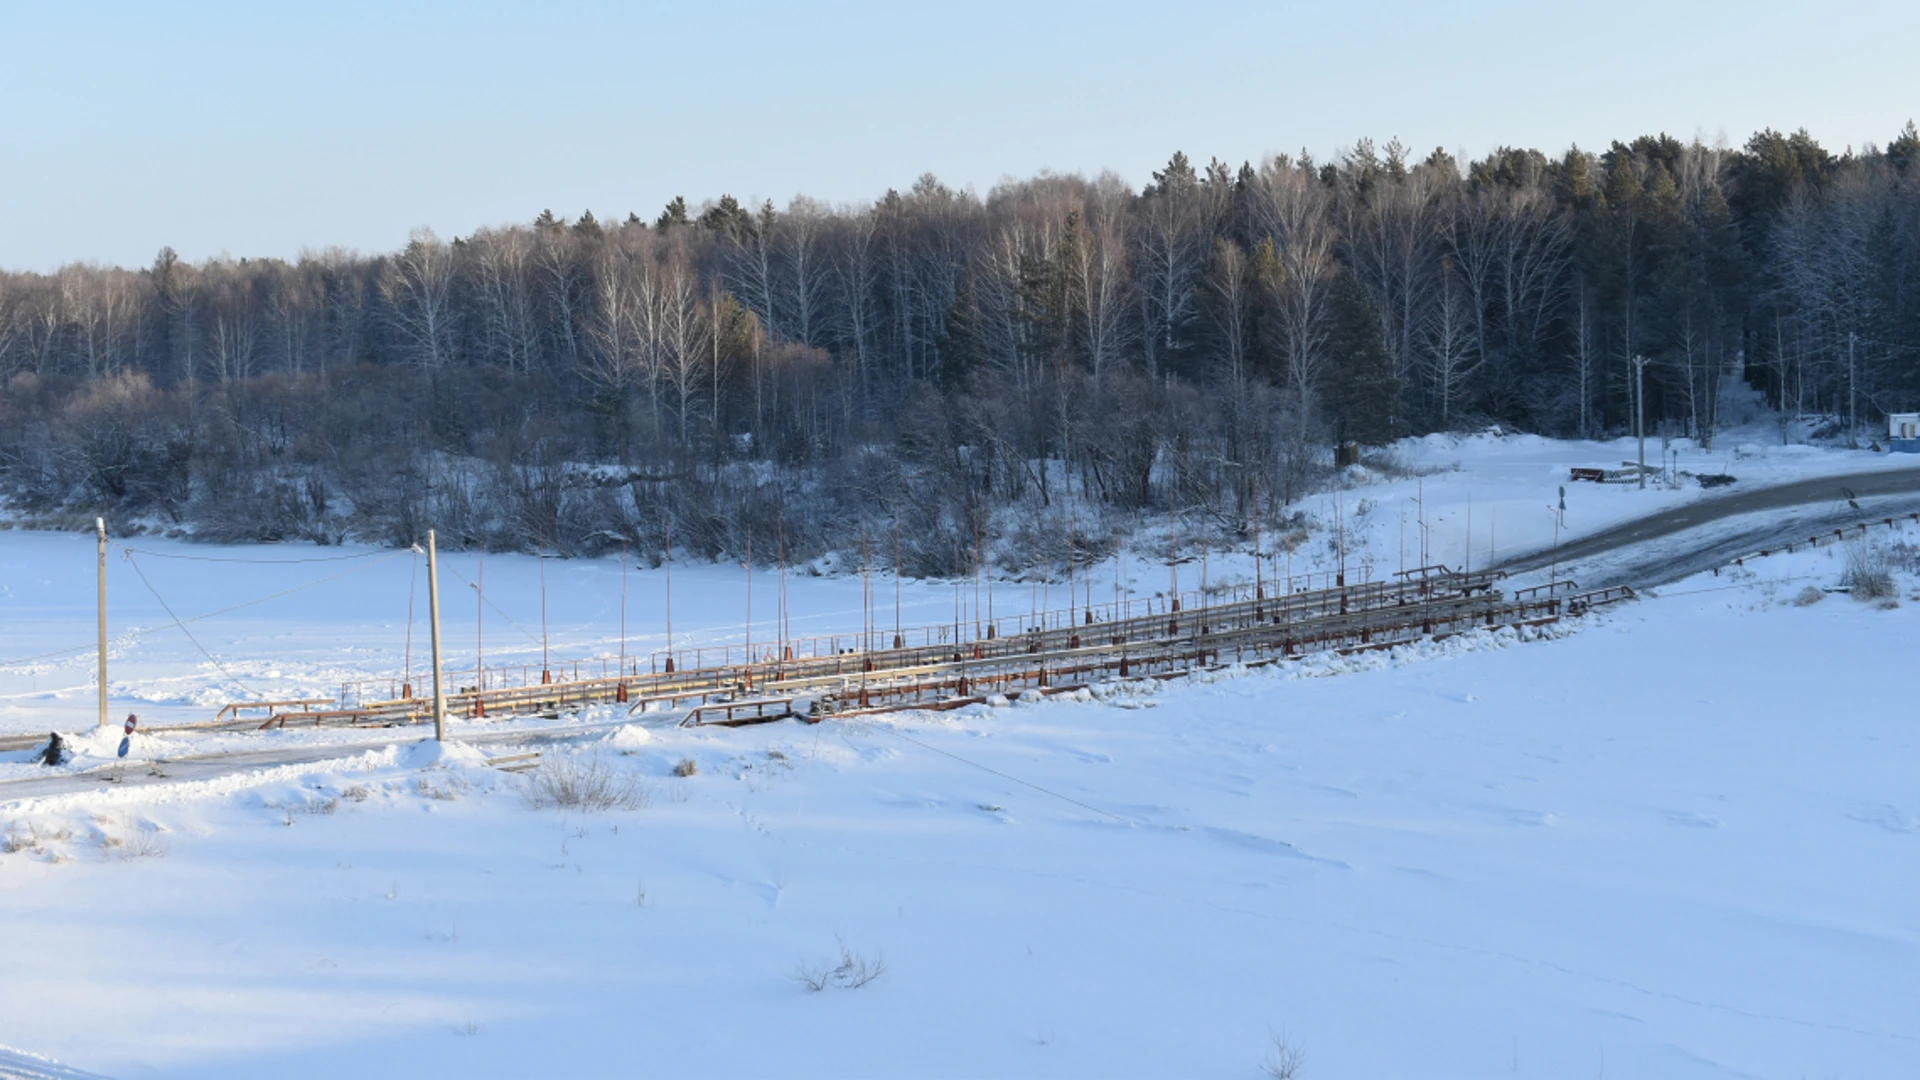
(207, 766)
(1827, 496)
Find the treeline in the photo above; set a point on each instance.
(1065, 354)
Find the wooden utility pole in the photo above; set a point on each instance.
(100, 526)
(433, 612)
(1853, 427)
(1173, 549)
(780, 607)
(1640, 413)
(670, 596)
(546, 674)
(1259, 590)
(749, 599)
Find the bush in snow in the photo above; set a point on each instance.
(1808, 597)
(1284, 1061)
(1869, 571)
(137, 841)
(686, 767)
(854, 971)
(584, 783)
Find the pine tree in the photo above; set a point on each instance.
(1904, 151)
(725, 217)
(1362, 395)
(674, 214)
(1177, 178)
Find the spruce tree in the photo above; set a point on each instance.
(674, 214)
(1177, 178)
(725, 217)
(1904, 151)
(1362, 394)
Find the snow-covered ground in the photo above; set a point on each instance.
(1488, 497)
(298, 622)
(1674, 840)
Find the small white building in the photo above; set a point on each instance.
(1903, 432)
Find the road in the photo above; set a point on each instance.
(1645, 552)
(175, 770)
(1825, 497)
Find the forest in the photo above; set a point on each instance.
(1034, 372)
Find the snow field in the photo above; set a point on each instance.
(1672, 840)
(1675, 839)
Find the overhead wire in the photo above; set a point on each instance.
(128, 552)
(24, 660)
(253, 562)
(1006, 776)
(531, 636)
(215, 661)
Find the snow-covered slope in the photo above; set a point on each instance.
(19, 1065)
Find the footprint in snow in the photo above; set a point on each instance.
(1517, 816)
(1891, 818)
(1266, 845)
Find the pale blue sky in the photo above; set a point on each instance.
(264, 128)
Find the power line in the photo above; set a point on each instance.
(1007, 776)
(49, 655)
(252, 562)
(1661, 594)
(183, 628)
(531, 636)
(135, 635)
(128, 552)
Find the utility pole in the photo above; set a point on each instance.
(546, 674)
(100, 526)
(749, 600)
(1853, 428)
(433, 611)
(1553, 575)
(1259, 590)
(669, 595)
(1639, 414)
